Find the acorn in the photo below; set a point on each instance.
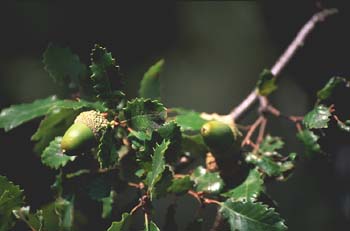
(223, 140)
(84, 133)
(220, 137)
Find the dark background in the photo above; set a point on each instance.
(214, 53)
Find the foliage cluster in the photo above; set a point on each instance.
(159, 152)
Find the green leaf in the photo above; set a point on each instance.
(268, 159)
(144, 144)
(181, 185)
(208, 182)
(193, 145)
(18, 114)
(158, 166)
(107, 154)
(271, 144)
(122, 225)
(54, 124)
(151, 227)
(170, 131)
(47, 216)
(57, 215)
(53, 155)
(249, 190)
(249, 216)
(11, 198)
(34, 221)
(107, 203)
(65, 212)
(107, 81)
(144, 114)
(76, 105)
(150, 84)
(269, 166)
(328, 89)
(273, 164)
(344, 126)
(63, 66)
(317, 118)
(57, 186)
(266, 83)
(161, 187)
(309, 140)
(188, 120)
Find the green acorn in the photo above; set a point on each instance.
(84, 133)
(223, 140)
(220, 137)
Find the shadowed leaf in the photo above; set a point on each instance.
(11, 198)
(309, 140)
(63, 66)
(266, 83)
(328, 89)
(150, 84)
(144, 114)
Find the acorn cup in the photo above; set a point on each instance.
(84, 132)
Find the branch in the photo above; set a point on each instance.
(199, 196)
(284, 59)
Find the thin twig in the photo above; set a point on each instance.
(133, 210)
(284, 59)
(298, 126)
(263, 103)
(295, 119)
(199, 196)
(274, 111)
(211, 201)
(146, 221)
(251, 130)
(23, 218)
(195, 195)
(342, 125)
(136, 185)
(243, 127)
(337, 119)
(261, 133)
